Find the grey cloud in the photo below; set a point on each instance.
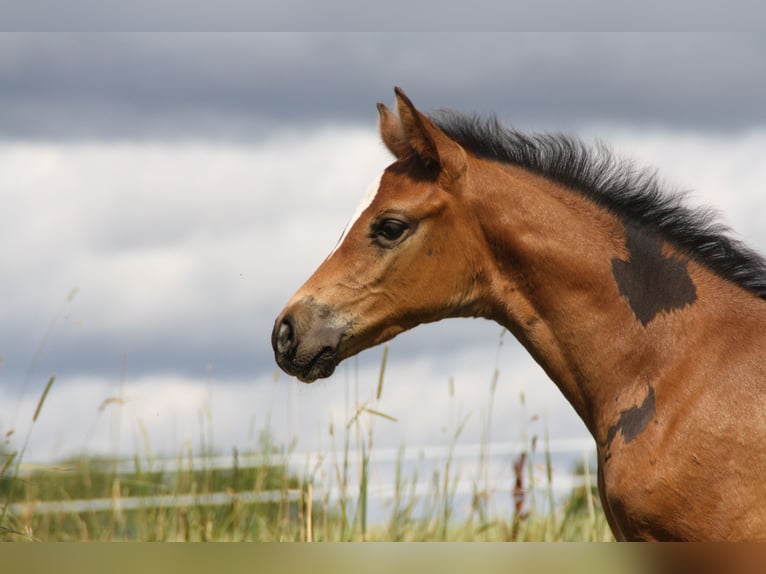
(332, 15)
(243, 86)
(231, 348)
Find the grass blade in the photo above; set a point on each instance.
(42, 398)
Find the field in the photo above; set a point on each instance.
(274, 493)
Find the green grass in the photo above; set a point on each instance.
(301, 508)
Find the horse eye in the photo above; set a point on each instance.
(389, 230)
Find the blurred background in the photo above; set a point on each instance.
(162, 196)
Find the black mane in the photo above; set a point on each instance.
(632, 194)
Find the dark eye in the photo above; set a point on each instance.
(388, 231)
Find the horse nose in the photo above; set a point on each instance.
(283, 337)
(306, 340)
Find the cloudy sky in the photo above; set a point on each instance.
(162, 196)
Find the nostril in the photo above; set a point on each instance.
(285, 337)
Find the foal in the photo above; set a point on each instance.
(649, 319)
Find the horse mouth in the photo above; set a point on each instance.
(320, 367)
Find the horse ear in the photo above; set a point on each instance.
(431, 144)
(391, 133)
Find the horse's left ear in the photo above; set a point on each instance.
(431, 144)
(391, 133)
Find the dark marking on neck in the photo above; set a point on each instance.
(651, 282)
(632, 422)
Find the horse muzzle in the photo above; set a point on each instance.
(307, 339)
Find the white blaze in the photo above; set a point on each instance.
(369, 196)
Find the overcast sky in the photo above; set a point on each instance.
(395, 15)
(244, 86)
(186, 185)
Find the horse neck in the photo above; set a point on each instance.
(553, 285)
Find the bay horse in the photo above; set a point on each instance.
(645, 313)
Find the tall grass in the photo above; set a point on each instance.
(329, 500)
